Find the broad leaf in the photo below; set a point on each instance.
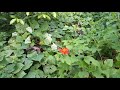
(118, 57)
(21, 74)
(28, 64)
(18, 67)
(44, 26)
(21, 21)
(90, 60)
(34, 24)
(49, 69)
(10, 68)
(19, 39)
(108, 62)
(31, 74)
(54, 14)
(27, 40)
(29, 29)
(83, 74)
(27, 13)
(36, 57)
(12, 21)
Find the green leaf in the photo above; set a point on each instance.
(2, 43)
(35, 74)
(106, 72)
(97, 74)
(27, 40)
(17, 46)
(51, 59)
(82, 64)
(12, 16)
(49, 69)
(54, 14)
(83, 74)
(18, 20)
(1, 58)
(3, 63)
(70, 47)
(62, 67)
(24, 46)
(34, 24)
(18, 67)
(118, 57)
(39, 16)
(117, 64)
(44, 26)
(21, 21)
(31, 55)
(26, 34)
(29, 29)
(28, 64)
(89, 59)
(66, 27)
(39, 74)
(10, 68)
(108, 62)
(12, 21)
(27, 13)
(14, 34)
(38, 33)
(46, 16)
(36, 57)
(35, 67)
(19, 39)
(68, 61)
(8, 53)
(21, 74)
(115, 73)
(31, 74)
(19, 53)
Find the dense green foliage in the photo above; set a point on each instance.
(30, 42)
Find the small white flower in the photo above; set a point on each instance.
(14, 34)
(29, 29)
(54, 46)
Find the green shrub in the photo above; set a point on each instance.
(34, 44)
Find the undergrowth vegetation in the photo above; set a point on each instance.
(59, 45)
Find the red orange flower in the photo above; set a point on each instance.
(64, 51)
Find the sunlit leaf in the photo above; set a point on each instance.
(21, 21)
(12, 21)
(54, 14)
(27, 40)
(27, 13)
(29, 29)
(109, 62)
